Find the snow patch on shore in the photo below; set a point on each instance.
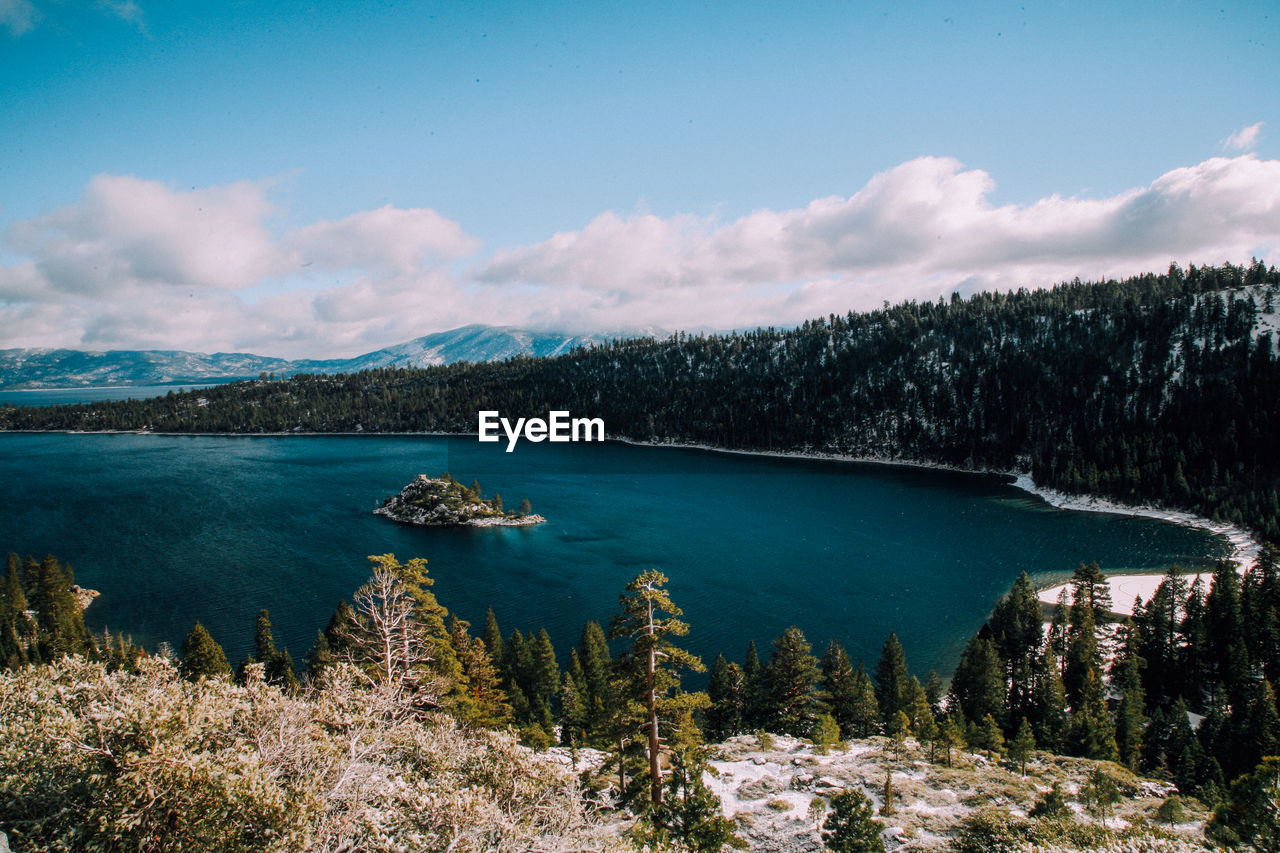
(1124, 588)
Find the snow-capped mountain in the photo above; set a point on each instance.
(65, 368)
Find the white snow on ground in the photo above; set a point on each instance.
(778, 796)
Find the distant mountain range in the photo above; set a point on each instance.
(66, 368)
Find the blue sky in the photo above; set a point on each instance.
(328, 178)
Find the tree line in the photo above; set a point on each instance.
(1162, 388)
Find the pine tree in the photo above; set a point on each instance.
(689, 817)
(479, 701)
(724, 716)
(891, 679)
(791, 680)
(1082, 656)
(1100, 795)
(1016, 635)
(1131, 721)
(264, 643)
(990, 737)
(428, 615)
(1050, 723)
(653, 655)
(851, 826)
(1224, 625)
(933, 690)
(545, 677)
(1090, 733)
(1259, 736)
(978, 686)
(202, 656)
(335, 632)
(517, 661)
(596, 662)
(1158, 623)
(320, 655)
(1260, 603)
(492, 637)
(864, 710)
(886, 799)
(1251, 813)
(1090, 588)
(573, 713)
(952, 734)
(16, 601)
(1023, 746)
(58, 614)
(396, 634)
(1195, 655)
(755, 711)
(280, 671)
(1052, 805)
(838, 685)
(826, 734)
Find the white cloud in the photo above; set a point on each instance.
(1243, 139)
(18, 16)
(386, 237)
(21, 16)
(130, 233)
(136, 264)
(918, 230)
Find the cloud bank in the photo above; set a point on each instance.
(137, 264)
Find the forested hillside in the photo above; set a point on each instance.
(1158, 388)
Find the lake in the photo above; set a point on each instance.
(171, 529)
(72, 396)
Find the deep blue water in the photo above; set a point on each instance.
(172, 529)
(64, 396)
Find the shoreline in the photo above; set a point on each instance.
(1244, 546)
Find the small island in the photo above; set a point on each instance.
(444, 502)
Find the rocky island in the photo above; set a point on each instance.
(444, 502)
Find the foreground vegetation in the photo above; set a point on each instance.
(405, 729)
(142, 759)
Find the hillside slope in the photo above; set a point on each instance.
(66, 368)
